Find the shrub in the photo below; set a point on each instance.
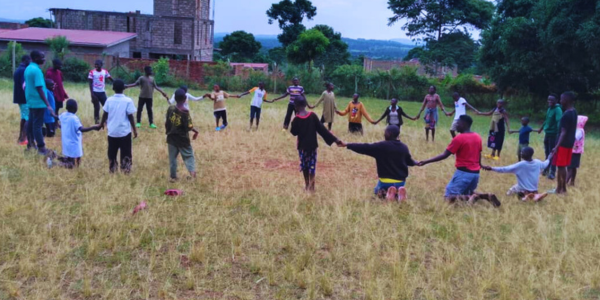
(6, 59)
(75, 69)
(59, 45)
(161, 71)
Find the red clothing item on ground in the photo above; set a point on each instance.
(60, 94)
(467, 149)
(563, 157)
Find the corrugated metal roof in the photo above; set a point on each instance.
(76, 37)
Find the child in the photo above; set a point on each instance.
(523, 136)
(147, 86)
(178, 125)
(563, 150)
(460, 108)
(528, 175)
(305, 126)
(55, 73)
(187, 99)
(220, 111)
(295, 91)
(393, 159)
(329, 106)
(71, 130)
(498, 127)
(118, 118)
(260, 95)
(356, 110)
(97, 79)
(49, 120)
(577, 150)
(430, 103)
(393, 115)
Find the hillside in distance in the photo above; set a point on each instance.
(376, 49)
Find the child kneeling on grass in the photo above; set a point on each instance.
(528, 175)
(71, 136)
(178, 125)
(305, 126)
(393, 159)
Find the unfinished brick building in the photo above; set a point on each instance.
(177, 29)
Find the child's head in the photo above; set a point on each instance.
(56, 64)
(261, 85)
(455, 96)
(329, 86)
(180, 96)
(148, 70)
(355, 97)
(552, 100)
(184, 87)
(500, 103)
(394, 102)
(432, 89)
(296, 81)
(464, 123)
(300, 103)
(26, 59)
(50, 84)
(118, 86)
(525, 121)
(216, 88)
(392, 133)
(567, 99)
(72, 106)
(527, 153)
(98, 65)
(38, 57)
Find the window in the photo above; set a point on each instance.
(178, 34)
(137, 54)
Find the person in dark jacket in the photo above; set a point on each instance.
(19, 98)
(393, 159)
(393, 114)
(305, 126)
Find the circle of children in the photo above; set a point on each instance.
(41, 97)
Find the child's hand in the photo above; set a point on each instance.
(487, 168)
(195, 136)
(341, 144)
(135, 134)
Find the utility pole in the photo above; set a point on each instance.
(14, 59)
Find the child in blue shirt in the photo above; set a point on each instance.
(523, 135)
(49, 120)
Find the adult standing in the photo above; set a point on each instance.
(295, 91)
(563, 151)
(498, 127)
(430, 103)
(460, 108)
(329, 106)
(467, 148)
(19, 98)
(550, 127)
(56, 75)
(35, 93)
(97, 78)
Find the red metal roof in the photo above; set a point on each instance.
(76, 37)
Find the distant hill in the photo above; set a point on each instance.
(376, 49)
(11, 21)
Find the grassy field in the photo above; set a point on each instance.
(246, 230)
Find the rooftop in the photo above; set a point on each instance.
(76, 37)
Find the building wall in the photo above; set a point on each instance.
(12, 25)
(162, 34)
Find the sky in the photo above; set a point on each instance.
(353, 18)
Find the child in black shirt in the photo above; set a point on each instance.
(178, 124)
(305, 126)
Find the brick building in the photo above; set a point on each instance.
(177, 29)
(423, 70)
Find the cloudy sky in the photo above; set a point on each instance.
(353, 18)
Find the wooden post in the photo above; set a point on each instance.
(187, 71)
(14, 59)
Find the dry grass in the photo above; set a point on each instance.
(246, 230)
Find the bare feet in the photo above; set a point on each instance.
(539, 197)
(528, 197)
(401, 195)
(392, 193)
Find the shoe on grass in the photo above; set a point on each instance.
(551, 177)
(23, 143)
(153, 126)
(138, 125)
(218, 128)
(496, 157)
(488, 156)
(551, 192)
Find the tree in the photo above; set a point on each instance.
(40, 22)
(543, 47)
(453, 49)
(240, 46)
(336, 53)
(439, 24)
(289, 15)
(310, 45)
(59, 45)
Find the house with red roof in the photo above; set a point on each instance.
(81, 41)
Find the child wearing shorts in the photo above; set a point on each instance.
(577, 150)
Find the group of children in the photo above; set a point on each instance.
(393, 158)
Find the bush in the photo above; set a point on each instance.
(59, 45)
(75, 69)
(161, 71)
(124, 74)
(6, 59)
